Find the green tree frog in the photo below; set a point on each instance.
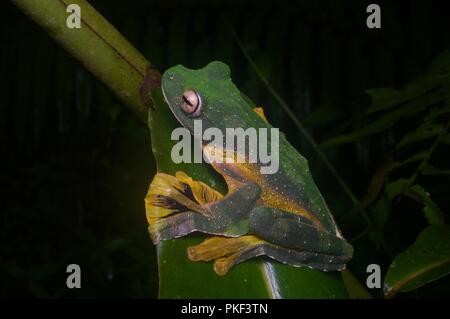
(281, 215)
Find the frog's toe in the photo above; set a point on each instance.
(226, 252)
(166, 195)
(224, 264)
(212, 248)
(174, 205)
(217, 247)
(260, 112)
(202, 193)
(169, 194)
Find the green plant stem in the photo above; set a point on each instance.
(427, 157)
(360, 235)
(97, 45)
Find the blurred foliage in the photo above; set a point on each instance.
(76, 165)
(426, 100)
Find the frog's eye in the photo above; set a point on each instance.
(192, 103)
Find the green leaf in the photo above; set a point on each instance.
(426, 260)
(431, 210)
(437, 75)
(436, 113)
(428, 128)
(256, 278)
(394, 188)
(414, 158)
(384, 98)
(430, 88)
(381, 210)
(431, 170)
(380, 214)
(389, 119)
(354, 287)
(423, 132)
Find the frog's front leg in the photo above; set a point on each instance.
(289, 238)
(178, 205)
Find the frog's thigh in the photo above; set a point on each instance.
(303, 258)
(296, 241)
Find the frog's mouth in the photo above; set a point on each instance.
(171, 107)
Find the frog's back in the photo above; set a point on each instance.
(290, 188)
(293, 189)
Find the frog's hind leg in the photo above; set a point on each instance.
(289, 238)
(296, 258)
(228, 252)
(296, 241)
(286, 256)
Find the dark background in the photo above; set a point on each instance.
(76, 163)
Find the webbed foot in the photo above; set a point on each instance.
(226, 252)
(178, 205)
